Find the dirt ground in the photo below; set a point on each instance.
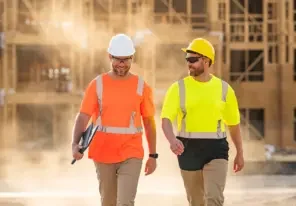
(47, 178)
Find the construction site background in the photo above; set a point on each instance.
(51, 49)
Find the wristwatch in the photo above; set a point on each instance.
(155, 156)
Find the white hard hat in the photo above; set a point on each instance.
(121, 45)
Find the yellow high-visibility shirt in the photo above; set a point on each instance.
(204, 105)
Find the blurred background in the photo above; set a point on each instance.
(51, 49)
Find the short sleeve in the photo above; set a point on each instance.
(231, 115)
(147, 106)
(89, 104)
(171, 103)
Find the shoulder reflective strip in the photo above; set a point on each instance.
(99, 84)
(182, 96)
(224, 90)
(224, 95)
(140, 87)
(202, 135)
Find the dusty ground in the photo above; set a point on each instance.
(77, 186)
(53, 181)
(34, 178)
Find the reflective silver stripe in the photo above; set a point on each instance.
(219, 133)
(182, 96)
(140, 87)
(199, 135)
(117, 130)
(99, 83)
(224, 90)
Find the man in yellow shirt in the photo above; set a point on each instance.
(203, 104)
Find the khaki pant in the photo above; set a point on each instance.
(118, 182)
(205, 187)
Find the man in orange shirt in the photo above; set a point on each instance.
(117, 101)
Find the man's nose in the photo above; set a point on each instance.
(121, 63)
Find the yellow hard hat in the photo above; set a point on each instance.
(202, 47)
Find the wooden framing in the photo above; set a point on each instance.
(88, 25)
(51, 23)
(271, 31)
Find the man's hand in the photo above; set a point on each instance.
(79, 127)
(238, 164)
(176, 146)
(75, 152)
(150, 166)
(236, 137)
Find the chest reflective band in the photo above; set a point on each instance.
(199, 135)
(117, 130)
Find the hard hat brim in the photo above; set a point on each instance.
(186, 50)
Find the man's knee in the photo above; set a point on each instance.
(193, 182)
(108, 194)
(108, 200)
(125, 202)
(106, 174)
(196, 198)
(128, 177)
(214, 198)
(215, 173)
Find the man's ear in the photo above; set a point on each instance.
(110, 56)
(207, 61)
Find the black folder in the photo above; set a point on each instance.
(86, 138)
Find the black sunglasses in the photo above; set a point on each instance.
(192, 59)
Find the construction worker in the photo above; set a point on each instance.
(202, 104)
(117, 101)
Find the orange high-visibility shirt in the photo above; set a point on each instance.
(118, 101)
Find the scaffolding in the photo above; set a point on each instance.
(51, 49)
(262, 33)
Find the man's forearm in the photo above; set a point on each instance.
(150, 130)
(236, 137)
(79, 127)
(167, 128)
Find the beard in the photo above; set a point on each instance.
(121, 71)
(195, 72)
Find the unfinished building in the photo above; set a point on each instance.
(50, 49)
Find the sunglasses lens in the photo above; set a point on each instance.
(192, 59)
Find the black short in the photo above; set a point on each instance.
(199, 152)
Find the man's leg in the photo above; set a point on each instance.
(194, 186)
(106, 174)
(214, 174)
(128, 178)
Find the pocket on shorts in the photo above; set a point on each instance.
(185, 141)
